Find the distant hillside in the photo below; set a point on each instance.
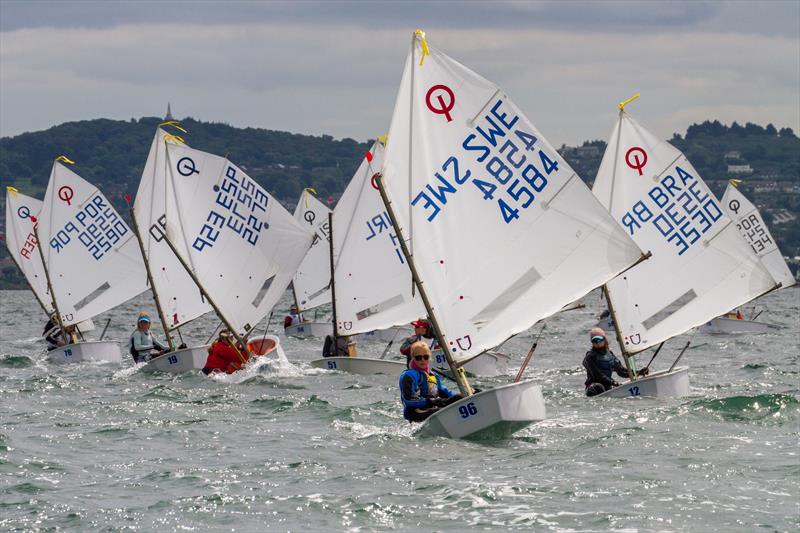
(112, 153)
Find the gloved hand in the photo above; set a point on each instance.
(436, 402)
(644, 371)
(614, 384)
(476, 390)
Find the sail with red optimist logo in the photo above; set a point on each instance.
(502, 231)
(700, 267)
(90, 252)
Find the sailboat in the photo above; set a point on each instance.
(371, 283)
(236, 242)
(177, 299)
(311, 285)
(700, 266)
(755, 232)
(494, 225)
(89, 256)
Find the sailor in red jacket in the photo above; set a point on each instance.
(422, 331)
(223, 356)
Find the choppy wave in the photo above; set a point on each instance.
(777, 408)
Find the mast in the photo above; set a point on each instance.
(458, 371)
(47, 277)
(159, 309)
(630, 362)
(333, 283)
(227, 323)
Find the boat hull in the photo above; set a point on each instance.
(107, 351)
(488, 364)
(360, 365)
(491, 414)
(309, 329)
(721, 325)
(179, 361)
(662, 384)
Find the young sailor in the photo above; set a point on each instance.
(143, 345)
(422, 331)
(600, 364)
(422, 392)
(223, 355)
(294, 317)
(53, 335)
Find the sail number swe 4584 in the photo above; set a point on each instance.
(508, 174)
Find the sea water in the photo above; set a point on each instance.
(286, 447)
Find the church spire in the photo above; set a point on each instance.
(169, 113)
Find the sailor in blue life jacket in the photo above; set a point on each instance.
(600, 364)
(422, 391)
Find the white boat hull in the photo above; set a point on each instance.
(108, 351)
(179, 361)
(490, 414)
(721, 325)
(488, 364)
(662, 384)
(309, 329)
(360, 365)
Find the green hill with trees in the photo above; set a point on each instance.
(112, 153)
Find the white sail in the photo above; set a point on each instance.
(91, 254)
(752, 228)
(180, 298)
(21, 213)
(700, 267)
(372, 279)
(503, 232)
(242, 245)
(312, 282)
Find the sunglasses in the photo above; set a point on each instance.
(598, 339)
(421, 357)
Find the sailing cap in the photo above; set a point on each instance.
(421, 323)
(143, 318)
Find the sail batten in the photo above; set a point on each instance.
(501, 232)
(699, 267)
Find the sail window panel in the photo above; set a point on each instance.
(378, 308)
(263, 291)
(669, 310)
(83, 302)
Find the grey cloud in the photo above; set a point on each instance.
(766, 17)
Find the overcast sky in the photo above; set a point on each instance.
(334, 67)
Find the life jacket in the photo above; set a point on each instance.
(426, 385)
(605, 362)
(223, 357)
